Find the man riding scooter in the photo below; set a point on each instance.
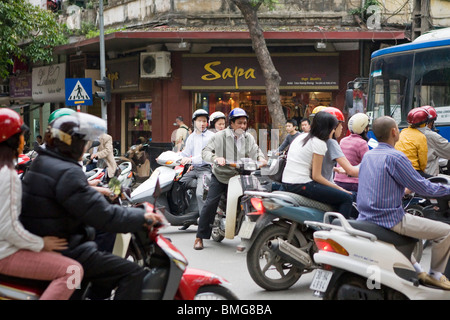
(230, 144)
(58, 201)
(384, 174)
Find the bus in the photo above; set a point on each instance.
(411, 75)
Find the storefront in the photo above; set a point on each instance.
(133, 98)
(222, 82)
(32, 112)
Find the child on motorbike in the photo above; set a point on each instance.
(23, 254)
(303, 171)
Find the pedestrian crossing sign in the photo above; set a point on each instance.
(78, 91)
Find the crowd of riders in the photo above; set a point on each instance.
(48, 219)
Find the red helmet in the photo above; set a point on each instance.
(10, 124)
(432, 112)
(336, 112)
(417, 116)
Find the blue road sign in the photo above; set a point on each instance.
(78, 91)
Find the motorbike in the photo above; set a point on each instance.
(348, 272)
(181, 208)
(140, 162)
(279, 244)
(230, 213)
(363, 261)
(23, 163)
(168, 277)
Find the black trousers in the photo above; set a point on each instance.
(106, 271)
(216, 189)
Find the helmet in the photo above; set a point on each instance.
(317, 109)
(10, 124)
(60, 112)
(67, 135)
(237, 113)
(336, 112)
(417, 116)
(432, 112)
(200, 112)
(216, 116)
(358, 123)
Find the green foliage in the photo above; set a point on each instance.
(362, 11)
(95, 32)
(269, 3)
(27, 32)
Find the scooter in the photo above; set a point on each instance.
(180, 209)
(230, 214)
(361, 260)
(23, 163)
(280, 245)
(138, 157)
(167, 278)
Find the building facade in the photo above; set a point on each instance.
(169, 58)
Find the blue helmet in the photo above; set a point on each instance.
(237, 113)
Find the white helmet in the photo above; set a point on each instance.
(358, 123)
(216, 116)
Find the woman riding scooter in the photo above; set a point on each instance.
(23, 254)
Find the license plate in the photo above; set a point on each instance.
(321, 280)
(246, 229)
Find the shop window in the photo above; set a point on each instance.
(296, 105)
(139, 122)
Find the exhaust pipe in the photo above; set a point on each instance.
(291, 254)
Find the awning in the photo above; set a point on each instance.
(139, 39)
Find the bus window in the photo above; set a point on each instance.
(389, 79)
(432, 81)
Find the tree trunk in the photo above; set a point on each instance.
(271, 76)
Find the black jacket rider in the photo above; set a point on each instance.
(58, 201)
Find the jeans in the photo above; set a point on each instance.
(341, 200)
(208, 213)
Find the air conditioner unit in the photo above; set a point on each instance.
(155, 64)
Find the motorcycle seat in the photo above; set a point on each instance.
(299, 200)
(404, 244)
(37, 284)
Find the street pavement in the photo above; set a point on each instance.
(223, 259)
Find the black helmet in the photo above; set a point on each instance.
(67, 135)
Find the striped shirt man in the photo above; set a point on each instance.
(383, 176)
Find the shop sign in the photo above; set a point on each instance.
(307, 71)
(20, 86)
(124, 74)
(48, 83)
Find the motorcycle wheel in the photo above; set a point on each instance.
(267, 269)
(337, 292)
(214, 292)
